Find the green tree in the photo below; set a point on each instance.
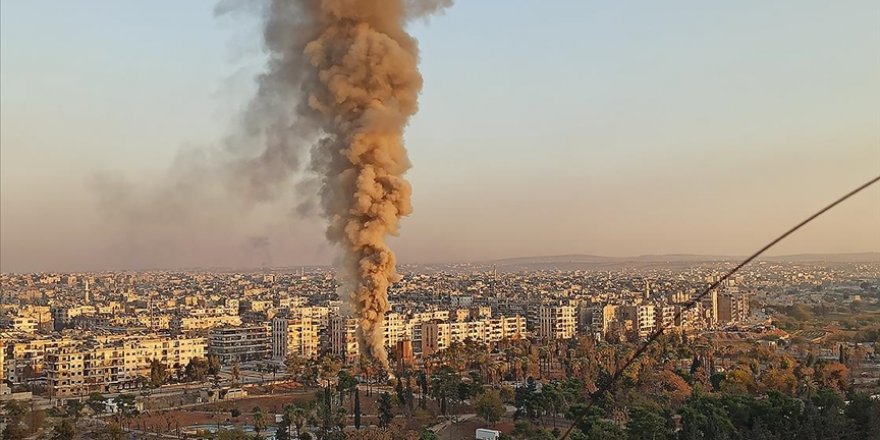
(236, 372)
(299, 415)
(282, 429)
(427, 434)
(357, 408)
(64, 430)
(444, 387)
(214, 367)
(489, 406)
(125, 407)
(14, 414)
(158, 373)
(646, 424)
(826, 412)
(112, 431)
(97, 403)
(602, 429)
(294, 366)
(386, 413)
(422, 381)
(703, 418)
(73, 408)
(865, 415)
(345, 385)
(777, 415)
(259, 419)
(196, 370)
(527, 401)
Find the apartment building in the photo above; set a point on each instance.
(24, 324)
(437, 335)
(396, 329)
(65, 371)
(24, 358)
(101, 364)
(603, 317)
(733, 307)
(294, 336)
(3, 388)
(343, 338)
(709, 305)
(240, 344)
(645, 321)
(505, 327)
(183, 323)
(556, 322)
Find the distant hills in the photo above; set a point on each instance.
(575, 261)
(855, 257)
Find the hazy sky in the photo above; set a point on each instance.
(610, 128)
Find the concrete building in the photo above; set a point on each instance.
(437, 335)
(645, 322)
(294, 336)
(556, 322)
(183, 323)
(106, 364)
(343, 338)
(710, 308)
(733, 307)
(240, 344)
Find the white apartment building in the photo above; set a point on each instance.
(556, 322)
(25, 324)
(645, 322)
(205, 322)
(294, 336)
(437, 335)
(710, 307)
(97, 364)
(603, 319)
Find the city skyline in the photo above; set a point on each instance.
(723, 143)
(429, 219)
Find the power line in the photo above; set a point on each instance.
(653, 337)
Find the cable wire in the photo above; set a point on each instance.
(663, 327)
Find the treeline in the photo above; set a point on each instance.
(727, 393)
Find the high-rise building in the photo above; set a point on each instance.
(343, 338)
(294, 336)
(645, 322)
(733, 307)
(710, 307)
(556, 322)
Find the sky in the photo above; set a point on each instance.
(585, 127)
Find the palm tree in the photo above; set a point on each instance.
(298, 416)
(259, 420)
(367, 369)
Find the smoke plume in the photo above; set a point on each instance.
(343, 78)
(323, 133)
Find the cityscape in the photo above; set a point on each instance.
(174, 354)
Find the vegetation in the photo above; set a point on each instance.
(158, 373)
(489, 406)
